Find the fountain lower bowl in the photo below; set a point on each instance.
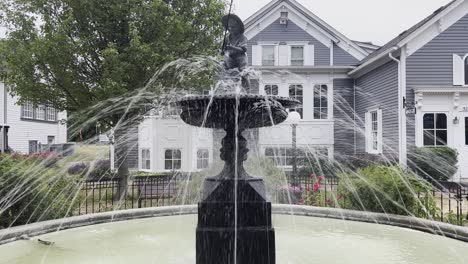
(166, 235)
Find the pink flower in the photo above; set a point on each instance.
(316, 186)
(300, 202)
(312, 175)
(320, 178)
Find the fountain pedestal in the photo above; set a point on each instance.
(216, 230)
(234, 216)
(234, 210)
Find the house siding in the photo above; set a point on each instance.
(343, 110)
(22, 131)
(342, 58)
(432, 64)
(278, 33)
(379, 89)
(132, 144)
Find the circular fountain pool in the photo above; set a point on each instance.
(299, 240)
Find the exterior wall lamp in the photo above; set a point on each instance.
(456, 120)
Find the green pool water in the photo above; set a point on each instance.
(299, 240)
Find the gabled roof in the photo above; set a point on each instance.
(252, 20)
(394, 42)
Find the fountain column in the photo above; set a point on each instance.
(221, 222)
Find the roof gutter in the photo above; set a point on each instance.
(384, 54)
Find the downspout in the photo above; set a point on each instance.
(401, 134)
(354, 117)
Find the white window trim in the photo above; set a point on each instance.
(290, 46)
(199, 159)
(368, 127)
(329, 101)
(141, 159)
(459, 70)
(420, 128)
(275, 50)
(309, 52)
(164, 159)
(271, 84)
(303, 95)
(30, 108)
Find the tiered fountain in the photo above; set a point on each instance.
(234, 216)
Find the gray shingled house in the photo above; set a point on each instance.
(358, 98)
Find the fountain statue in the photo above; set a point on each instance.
(234, 215)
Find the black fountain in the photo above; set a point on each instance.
(234, 215)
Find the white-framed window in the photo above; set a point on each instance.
(172, 159)
(374, 139)
(297, 56)
(50, 140)
(284, 156)
(33, 146)
(296, 91)
(320, 101)
(435, 129)
(145, 159)
(203, 159)
(51, 114)
(271, 89)
(40, 112)
(27, 111)
(460, 70)
(268, 55)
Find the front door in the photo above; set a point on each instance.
(462, 146)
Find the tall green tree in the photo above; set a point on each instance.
(77, 54)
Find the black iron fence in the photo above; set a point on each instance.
(153, 191)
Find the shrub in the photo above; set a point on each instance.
(435, 163)
(77, 168)
(97, 169)
(386, 189)
(31, 192)
(100, 169)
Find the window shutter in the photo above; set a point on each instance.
(458, 71)
(283, 57)
(367, 131)
(309, 55)
(256, 55)
(380, 132)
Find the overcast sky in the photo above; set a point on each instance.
(365, 20)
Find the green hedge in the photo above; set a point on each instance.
(435, 163)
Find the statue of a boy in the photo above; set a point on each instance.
(235, 45)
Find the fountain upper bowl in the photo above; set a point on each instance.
(244, 111)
